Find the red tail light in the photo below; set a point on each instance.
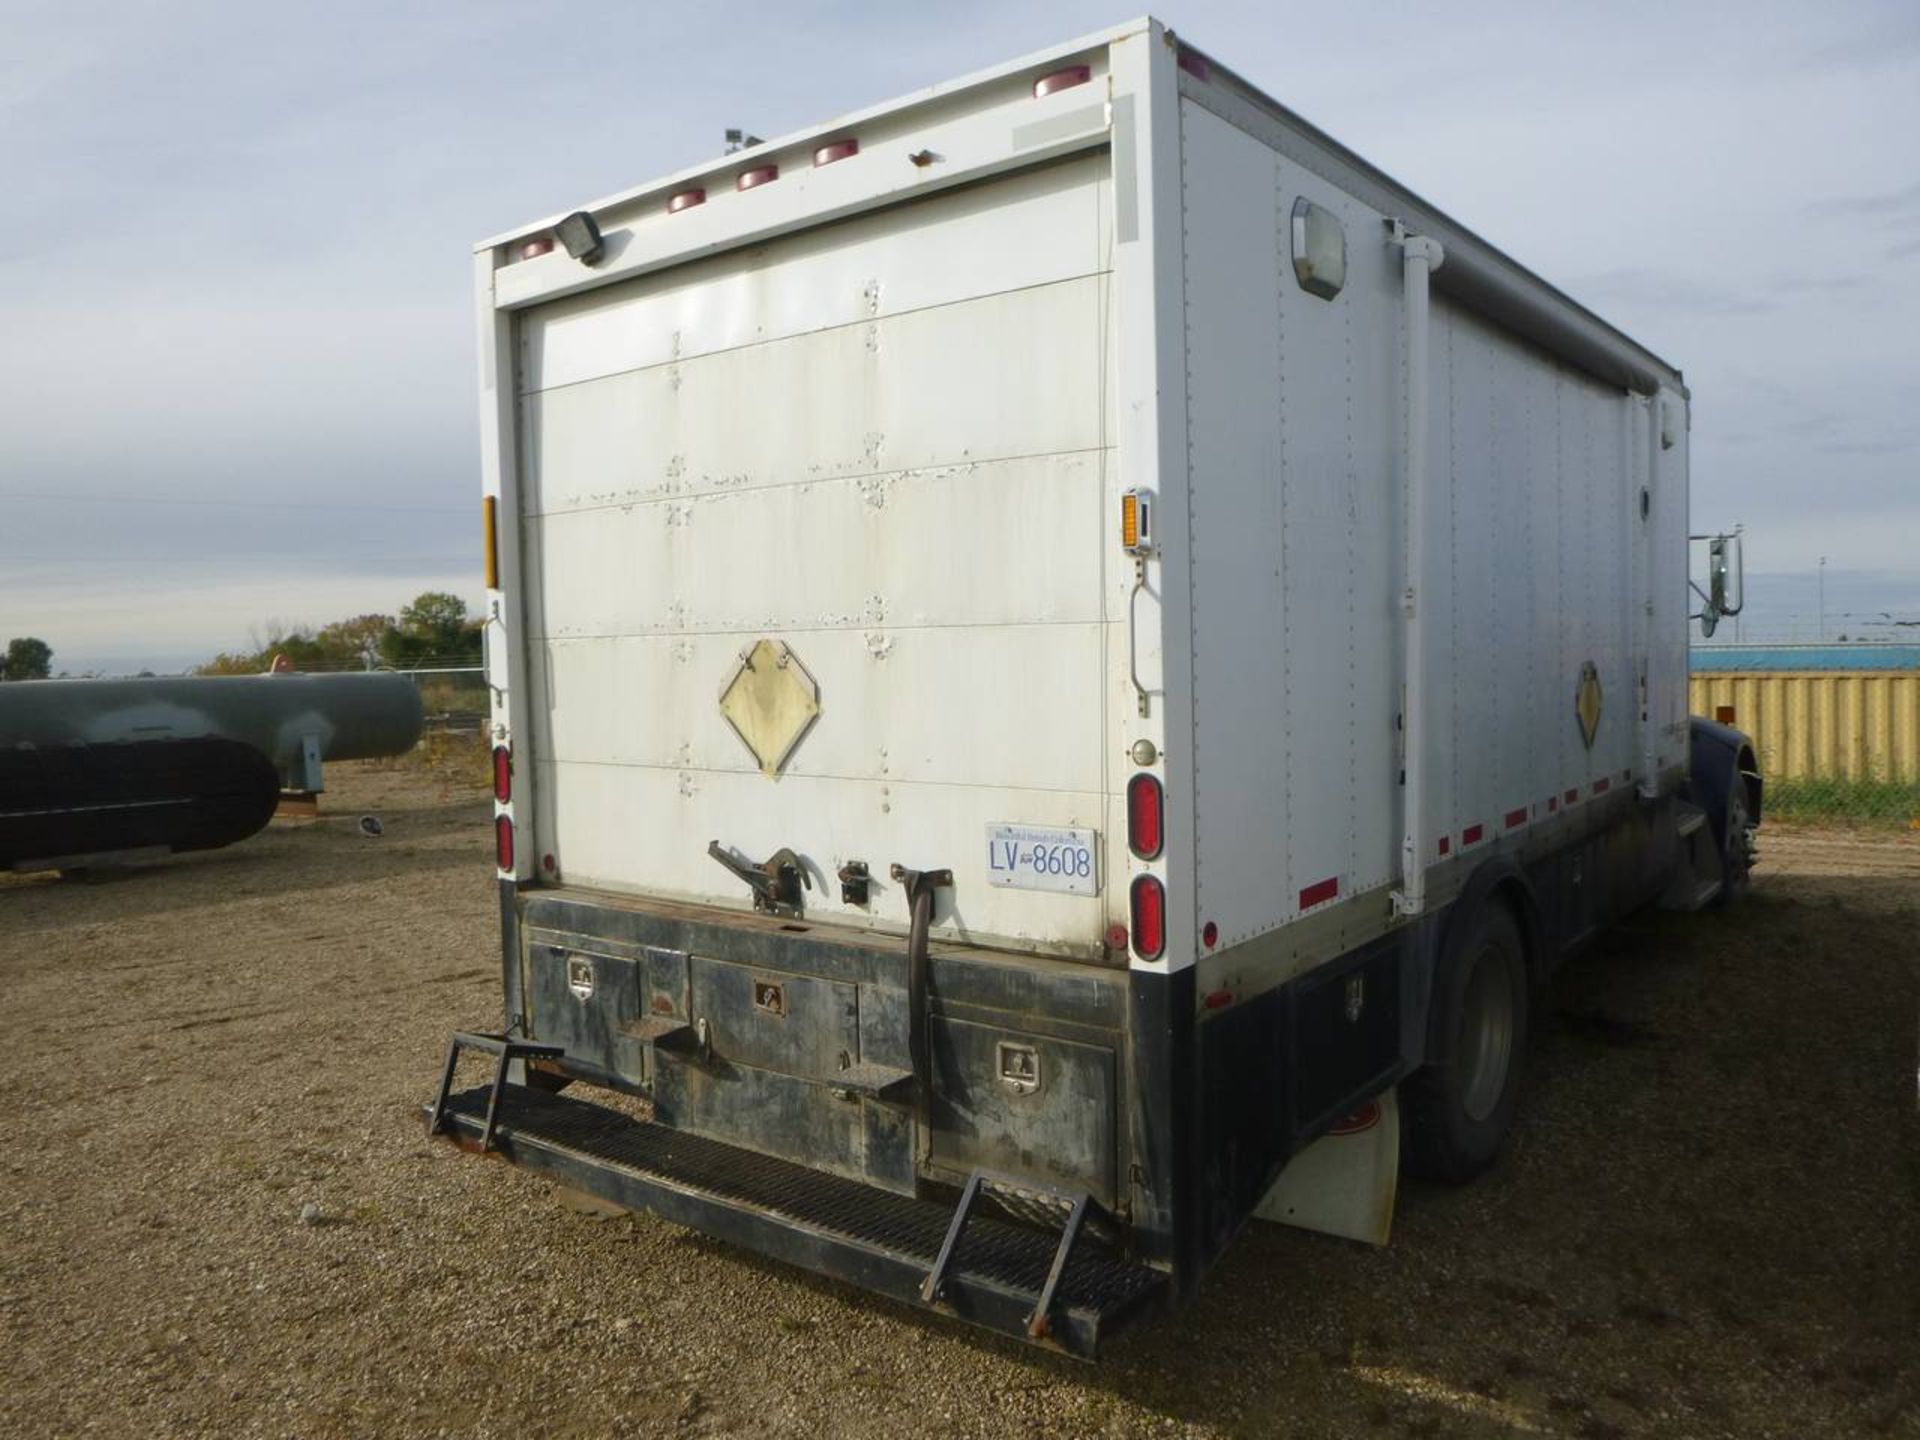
(502, 774)
(503, 842)
(1149, 918)
(1146, 806)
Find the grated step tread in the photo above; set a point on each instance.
(1010, 1255)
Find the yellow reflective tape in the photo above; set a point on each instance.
(490, 525)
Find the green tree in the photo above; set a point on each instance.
(432, 631)
(229, 663)
(355, 643)
(351, 644)
(27, 659)
(298, 643)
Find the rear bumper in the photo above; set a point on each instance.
(882, 1242)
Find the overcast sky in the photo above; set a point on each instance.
(236, 351)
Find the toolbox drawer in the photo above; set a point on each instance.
(775, 1020)
(587, 1003)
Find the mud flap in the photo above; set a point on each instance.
(1344, 1183)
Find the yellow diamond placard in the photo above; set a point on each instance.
(1586, 702)
(770, 701)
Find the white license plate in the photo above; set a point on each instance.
(1042, 857)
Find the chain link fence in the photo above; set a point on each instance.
(452, 698)
(1842, 800)
(1836, 746)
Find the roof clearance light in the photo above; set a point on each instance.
(534, 249)
(759, 175)
(838, 150)
(1149, 902)
(1146, 806)
(1062, 80)
(1136, 522)
(686, 200)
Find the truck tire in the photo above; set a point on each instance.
(1460, 1105)
(1736, 846)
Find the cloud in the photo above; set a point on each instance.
(1883, 202)
(234, 245)
(1668, 291)
(1901, 445)
(1890, 39)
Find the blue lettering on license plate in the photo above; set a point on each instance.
(1043, 857)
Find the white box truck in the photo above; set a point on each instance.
(1052, 641)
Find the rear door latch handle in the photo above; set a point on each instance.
(776, 882)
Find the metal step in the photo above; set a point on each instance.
(1698, 896)
(874, 1082)
(995, 1276)
(1696, 885)
(666, 1032)
(505, 1049)
(1077, 1213)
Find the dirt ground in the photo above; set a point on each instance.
(1708, 1222)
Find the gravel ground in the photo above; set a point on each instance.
(218, 1213)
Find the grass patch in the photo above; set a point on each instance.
(1816, 800)
(459, 757)
(447, 698)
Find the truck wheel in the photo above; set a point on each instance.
(1736, 853)
(1460, 1105)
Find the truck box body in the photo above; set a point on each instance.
(808, 477)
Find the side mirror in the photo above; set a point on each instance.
(1726, 592)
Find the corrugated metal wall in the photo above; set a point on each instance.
(1833, 724)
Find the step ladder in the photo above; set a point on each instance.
(1029, 1202)
(508, 1048)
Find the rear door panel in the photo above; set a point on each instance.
(884, 444)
